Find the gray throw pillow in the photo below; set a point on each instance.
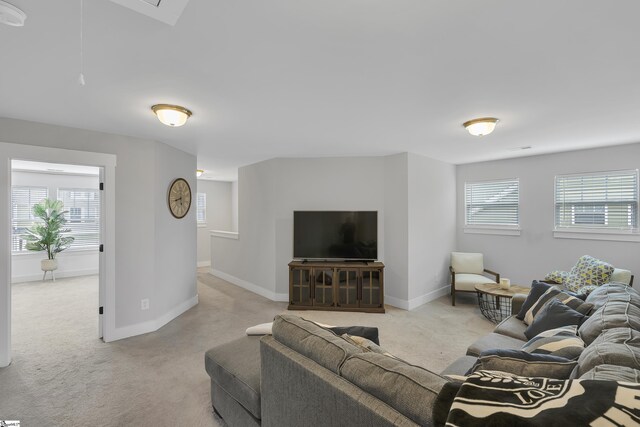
(519, 362)
(562, 342)
(553, 315)
(613, 292)
(618, 346)
(537, 290)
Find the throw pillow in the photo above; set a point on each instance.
(588, 271)
(553, 315)
(556, 277)
(520, 362)
(562, 342)
(618, 346)
(613, 314)
(551, 293)
(537, 290)
(613, 292)
(370, 333)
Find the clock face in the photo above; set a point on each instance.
(179, 198)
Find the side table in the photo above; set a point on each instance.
(495, 302)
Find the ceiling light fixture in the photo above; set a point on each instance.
(199, 173)
(171, 115)
(481, 127)
(11, 15)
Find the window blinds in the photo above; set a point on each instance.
(83, 216)
(22, 201)
(201, 207)
(603, 200)
(492, 203)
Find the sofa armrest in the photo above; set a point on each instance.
(516, 303)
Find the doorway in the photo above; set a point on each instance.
(67, 272)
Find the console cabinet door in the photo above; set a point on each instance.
(300, 286)
(370, 290)
(323, 293)
(348, 279)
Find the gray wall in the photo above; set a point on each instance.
(148, 243)
(219, 215)
(536, 252)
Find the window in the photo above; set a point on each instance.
(492, 205)
(601, 201)
(22, 201)
(201, 208)
(83, 216)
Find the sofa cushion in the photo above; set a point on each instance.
(468, 282)
(313, 341)
(562, 342)
(464, 262)
(553, 293)
(512, 327)
(613, 292)
(618, 346)
(410, 389)
(520, 362)
(493, 341)
(554, 314)
(612, 373)
(537, 290)
(613, 314)
(588, 271)
(235, 367)
(460, 366)
(368, 332)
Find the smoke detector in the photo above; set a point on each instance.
(11, 15)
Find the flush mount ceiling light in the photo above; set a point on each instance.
(171, 115)
(481, 127)
(11, 15)
(199, 173)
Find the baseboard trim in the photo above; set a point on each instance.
(59, 275)
(151, 325)
(204, 264)
(251, 287)
(417, 301)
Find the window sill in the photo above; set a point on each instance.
(43, 254)
(202, 225)
(597, 235)
(498, 231)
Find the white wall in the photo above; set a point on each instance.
(25, 266)
(234, 206)
(144, 249)
(536, 252)
(269, 192)
(219, 215)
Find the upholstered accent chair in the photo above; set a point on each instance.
(467, 271)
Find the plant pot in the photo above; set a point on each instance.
(49, 264)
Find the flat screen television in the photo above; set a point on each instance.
(335, 235)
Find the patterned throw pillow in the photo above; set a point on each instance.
(575, 303)
(563, 342)
(556, 276)
(588, 271)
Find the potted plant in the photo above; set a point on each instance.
(47, 235)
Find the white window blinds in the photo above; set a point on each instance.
(602, 200)
(22, 201)
(83, 216)
(201, 207)
(492, 203)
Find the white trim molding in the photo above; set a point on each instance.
(251, 287)
(225, 234)
(609, 235)
(417, 301)
(204, 264)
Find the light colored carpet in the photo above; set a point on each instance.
(62, 374)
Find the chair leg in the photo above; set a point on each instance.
(453, 297)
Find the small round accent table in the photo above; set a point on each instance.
(495, 302)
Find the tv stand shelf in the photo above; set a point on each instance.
(336, 286)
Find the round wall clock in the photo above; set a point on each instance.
(179, 198)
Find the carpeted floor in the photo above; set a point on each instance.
(62, 374)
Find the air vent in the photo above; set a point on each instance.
(167, 11)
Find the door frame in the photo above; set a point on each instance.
(107, 162)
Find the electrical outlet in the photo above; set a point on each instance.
(144, 304)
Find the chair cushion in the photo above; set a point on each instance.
(512, 327)
(235, 367)
(313, 341)
(621, 276)
(588, 271)
(493, 341)
(468, 282)
(463, 262)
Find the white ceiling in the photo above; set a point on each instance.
(269, 78)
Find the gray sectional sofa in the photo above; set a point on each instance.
(304, 374)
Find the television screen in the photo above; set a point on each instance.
(335, 235)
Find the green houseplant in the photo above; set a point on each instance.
(48, 234)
